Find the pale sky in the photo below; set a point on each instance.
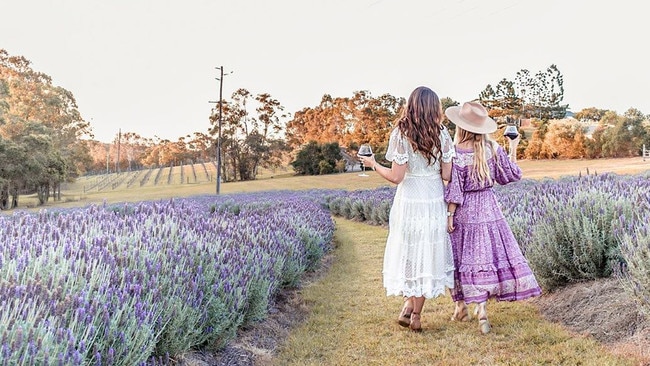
(149, 66)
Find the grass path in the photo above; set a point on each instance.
(353, 322)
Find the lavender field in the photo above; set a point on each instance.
(571, 229)
(136, 284)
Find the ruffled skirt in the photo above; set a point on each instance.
(489, 262)
(418, 259)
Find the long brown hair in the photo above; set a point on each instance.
(421, 123)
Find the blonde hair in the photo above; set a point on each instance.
(480, 171)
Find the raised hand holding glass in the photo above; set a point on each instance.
(364, 150)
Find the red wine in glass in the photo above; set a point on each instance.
(511, 132)
(364, 150)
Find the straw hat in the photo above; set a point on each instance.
(472, 117)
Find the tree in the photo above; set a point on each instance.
(12, 172)
(566, 140)
(626, 134)
(29, 102)
(30, 162)
(307, 159)
(539, 96)
(536, 148)
(446, 103)
(590, 114)
(249, 141)
(362, 118)
(317, 159)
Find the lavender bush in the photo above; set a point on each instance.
(574, 239)
(634, 235)
(370, 205)
(132, 284)
(571, 229)
(567, 227)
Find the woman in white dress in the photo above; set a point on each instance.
(418, 260)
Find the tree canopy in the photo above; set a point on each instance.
(527, 96)
(41, 120)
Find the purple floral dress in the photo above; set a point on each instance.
(488, 260)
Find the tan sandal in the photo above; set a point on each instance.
(484, 326)
(483, 322)
(461, 313)
(415, 325)
(404, 318)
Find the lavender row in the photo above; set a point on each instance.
(134, 283)
(571, 229)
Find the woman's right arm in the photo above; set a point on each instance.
(397, 154)
(448, 153)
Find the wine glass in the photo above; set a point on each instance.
(511, 132)
(364, 150)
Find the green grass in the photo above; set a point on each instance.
(352, 321)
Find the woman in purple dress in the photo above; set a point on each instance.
(488, 260)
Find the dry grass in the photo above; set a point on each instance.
(352, 321)
(80, 194)
(537, 169)
(603, 310)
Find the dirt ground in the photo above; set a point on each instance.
(600, 309)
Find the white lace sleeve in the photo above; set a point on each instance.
(397, 148)
(447, 146)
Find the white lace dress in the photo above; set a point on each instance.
(418, 260)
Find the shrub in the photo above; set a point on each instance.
(574, 239)
(129, 283)
(634, 237)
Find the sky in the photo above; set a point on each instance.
(151, 67)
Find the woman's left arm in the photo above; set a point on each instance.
(445, 171)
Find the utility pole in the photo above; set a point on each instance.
(117, 161)
(108, 155)
(219, 132)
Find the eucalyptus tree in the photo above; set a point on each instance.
(348, 121)
(539, 95)
(203, 145)
(624, 136)
(30, 163)
(268, 150)
(373, 120)
(592, 114)
(249, 140)
(30, 97)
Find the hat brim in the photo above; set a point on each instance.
(488, 125)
